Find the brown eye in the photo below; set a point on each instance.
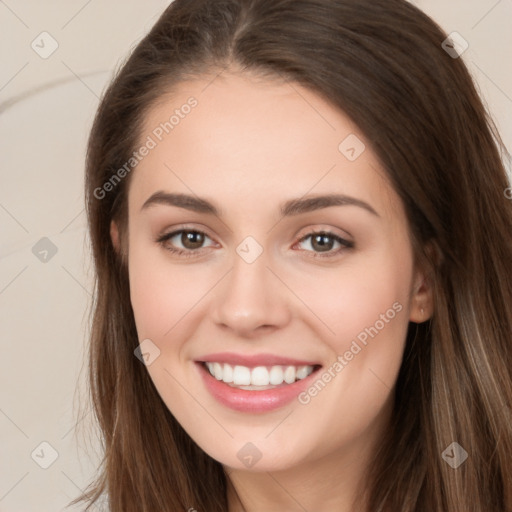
(184, 242)
(192, 239)
(323, 242)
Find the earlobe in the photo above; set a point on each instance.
(422, 299)
(422, 293)
(114, 236)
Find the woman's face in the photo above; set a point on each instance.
(296, 257)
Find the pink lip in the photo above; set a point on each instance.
(253, 360)
(253, 401)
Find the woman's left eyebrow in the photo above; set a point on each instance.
(289, 208)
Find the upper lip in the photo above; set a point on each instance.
(254, 360)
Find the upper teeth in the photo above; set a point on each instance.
(259, 375)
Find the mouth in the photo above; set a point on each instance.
(258, 377)
(255, 389)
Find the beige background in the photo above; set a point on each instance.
(46, 110)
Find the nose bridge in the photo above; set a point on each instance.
(251, 296)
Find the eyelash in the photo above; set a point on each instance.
(188, 253)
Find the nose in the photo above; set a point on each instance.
(252, 299)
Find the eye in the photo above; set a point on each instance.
(323, 241)
(190, 239)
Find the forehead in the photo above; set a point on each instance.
(237, 136)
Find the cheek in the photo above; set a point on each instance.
(363, 307)
(166, 301)
(357, 295)
(368, 305)
(161, 294)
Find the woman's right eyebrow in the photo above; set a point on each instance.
(289, 208)
(193, 203)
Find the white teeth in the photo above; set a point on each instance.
(227, 375)
(242, 376)
(259, 375)
(217, 371)
(276, 375)
(302, 372)
(289, 374)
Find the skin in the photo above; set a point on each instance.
(249, 145)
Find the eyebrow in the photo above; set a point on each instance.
(287, 209)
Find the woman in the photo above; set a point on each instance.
(301, 235)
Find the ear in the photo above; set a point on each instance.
(422, 302)
(114, 236)
(422, 293)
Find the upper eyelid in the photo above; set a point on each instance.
(178, 229)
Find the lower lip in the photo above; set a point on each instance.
(255, 401)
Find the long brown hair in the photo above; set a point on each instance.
(382, 63)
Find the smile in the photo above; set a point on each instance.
(259, 377)
(255, 389)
